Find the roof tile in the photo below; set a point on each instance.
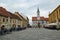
(41, 18)
(4, 12)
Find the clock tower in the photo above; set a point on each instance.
(38, 18)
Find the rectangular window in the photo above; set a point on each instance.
(0, 19)
(57, 14)
(10, 20)
(13, 21)
(7, 20)
(3, 19)
(42, 21)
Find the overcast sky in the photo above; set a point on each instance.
(29, 7)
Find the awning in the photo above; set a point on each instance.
(52, 24)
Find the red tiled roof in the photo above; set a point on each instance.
(46, 19)
(14, 16)
(3, 12)
(34, 18)
(41, 18)
(20, 16)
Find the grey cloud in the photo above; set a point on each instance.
(31, 6)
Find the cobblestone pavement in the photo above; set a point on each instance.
(33, 34)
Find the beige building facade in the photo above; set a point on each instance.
(8, 19)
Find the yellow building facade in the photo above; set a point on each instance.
(24, 21)
(14, 20)
(3, 21)
(54, 15)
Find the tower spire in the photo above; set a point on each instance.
(38, 10)
(38, 14)
(38, 18)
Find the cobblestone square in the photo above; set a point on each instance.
(33, 34)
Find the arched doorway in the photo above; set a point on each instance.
(13, 27)
(2, 27)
